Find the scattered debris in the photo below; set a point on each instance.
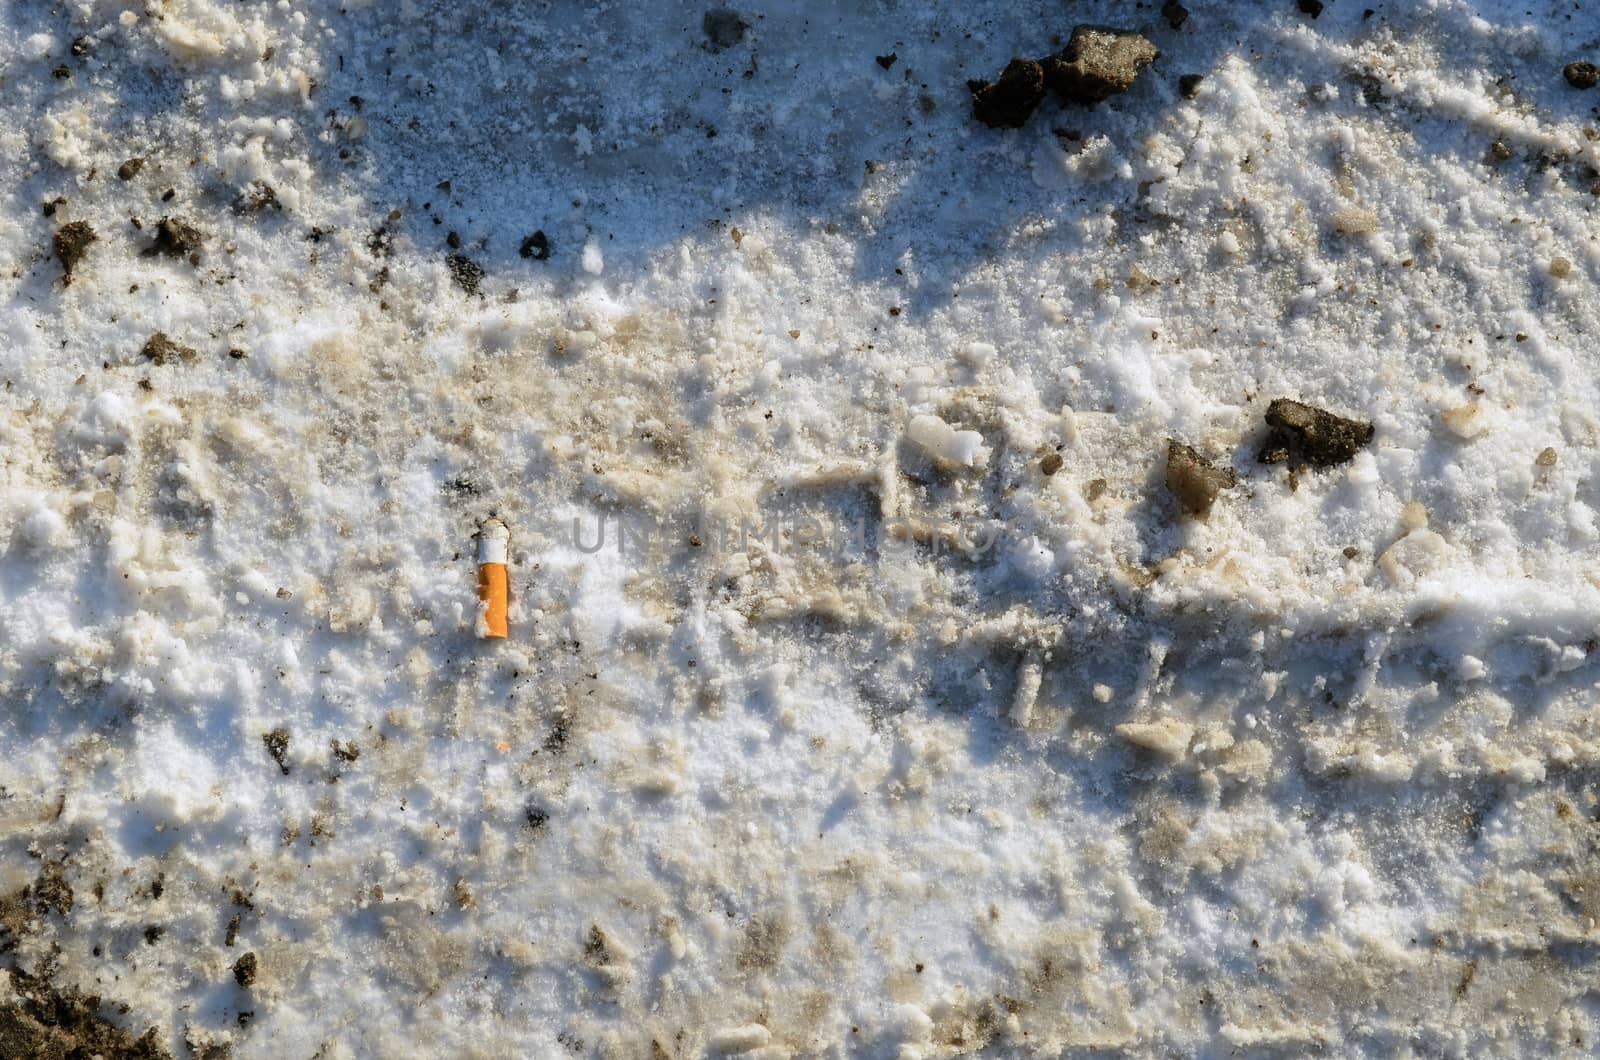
(887, 61)
(1175, 14)
(381, 242)
(130, 169)
(1010, 101)
(345, 752)
(462, 894)
(1499, 152)
(161, 349)
(596, 947)
(1302, 435)
(257, 197)
(536, 246)
(1581, 75)
(560, 732)
(38, 1021)
(277, 742)
(176, 238)
(1097, 63)
(62, 72)
(467, 273)
(244, 969)
(723, 27)
(53, 205)
(81, 46)
(1189, 85)
(71, 244)
(1195, 481)
(52, 891)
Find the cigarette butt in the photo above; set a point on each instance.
(494, 588)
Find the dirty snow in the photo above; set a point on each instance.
(867, 693)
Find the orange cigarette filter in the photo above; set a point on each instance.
(494, 588)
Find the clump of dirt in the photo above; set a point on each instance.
(1097, 63)
(71, 244)
(277, 742)
(536, 246)
(244, 969)
(1311, 7)
(723, 28)
(1010, 101)
(1194, 481)
(1581, 75)
(176, 238)
(161, 349)
(1175, 14)
(537, 818)
(345, 752)
(1189, 85)
(130, 169)
(467, 273)
(47, 1023)
(1302, 435)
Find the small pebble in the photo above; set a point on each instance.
(1581, 75)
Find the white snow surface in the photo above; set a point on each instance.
(945, 754)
